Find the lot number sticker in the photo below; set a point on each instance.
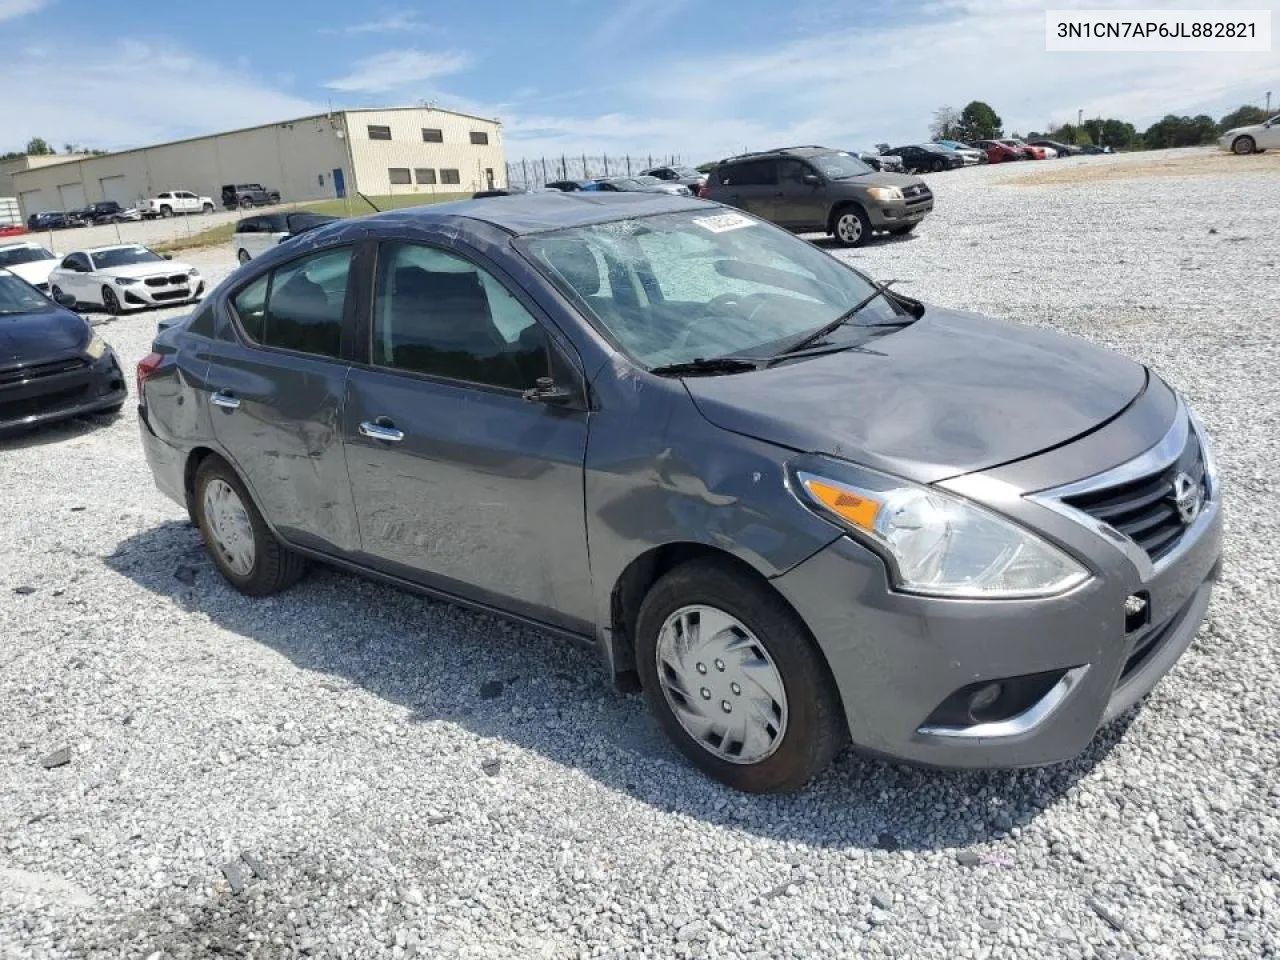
(723, 222)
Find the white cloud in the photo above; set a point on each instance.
(632, 17)
(131, 94)
(396, 69)
(854, 85)
(12, 9)
(398, 21)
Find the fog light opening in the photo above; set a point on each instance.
(982, 700)
(1137, 612)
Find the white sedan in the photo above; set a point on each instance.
(126, 277)
(32, 262)
(1259, 137)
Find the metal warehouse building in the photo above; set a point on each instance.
(379, 151)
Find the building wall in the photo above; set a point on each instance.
(297, 158)
(9, 167)
(373, 159)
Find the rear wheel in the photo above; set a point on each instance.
(245, 203)
(1243, 145)
(207, 208)
(110, 302)
(166, 211)
(735, 679)
(851, 227)
(243, 548)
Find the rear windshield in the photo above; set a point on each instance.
(16, 255)
(18, 296)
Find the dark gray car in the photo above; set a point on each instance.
(799, 508)
(820, 190)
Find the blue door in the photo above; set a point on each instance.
(339, 183)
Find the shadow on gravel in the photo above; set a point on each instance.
(532, 690)
(57, 432)
(880, 240)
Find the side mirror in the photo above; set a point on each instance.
(64, 299)
(812, 179)
(545, 390)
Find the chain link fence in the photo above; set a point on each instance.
(533, 173)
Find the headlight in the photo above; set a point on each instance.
(96, 347)
(884, 193)
(126, 281)
(193, 272)
(937, 543)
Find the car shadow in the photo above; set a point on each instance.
(59, 431)
(825, 242)
(519, 685)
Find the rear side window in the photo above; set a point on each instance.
(203, 324)
(299, 305)
(756, 173)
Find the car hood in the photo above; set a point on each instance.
(35, 337)
(37, 271)
(883, 180)
(140, 270)
(948, 395)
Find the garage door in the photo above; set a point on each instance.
(71, 196)
(117, 189)
(32, 201)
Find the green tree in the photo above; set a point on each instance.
(1175, 131)
(979, 122)
(39, 147)
(1242, 117)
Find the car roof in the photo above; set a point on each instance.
(526, 213)
(809, 150)
(112, 246)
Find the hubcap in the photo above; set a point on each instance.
(1243, 146)
(229, 526)
(721, 684)
(849, 227)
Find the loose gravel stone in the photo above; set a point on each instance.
(327, 730)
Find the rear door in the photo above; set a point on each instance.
(276, 390)
(751, 186)
(459, 482)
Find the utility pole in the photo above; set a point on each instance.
(1268, 101)
(1079, 117)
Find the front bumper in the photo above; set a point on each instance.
(59, 391)
(897, 213)
(139, 296)
(897, 658)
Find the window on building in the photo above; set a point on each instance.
(424, 175)
(399, 175)
(379, 133)
(479, 138)
(439, 314)
(450, 176)
(299, 305)
(432, 135)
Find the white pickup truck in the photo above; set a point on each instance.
(169, 202)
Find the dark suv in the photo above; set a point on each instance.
(812, 189)
(247, 195)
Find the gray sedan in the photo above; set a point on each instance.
(798, 508)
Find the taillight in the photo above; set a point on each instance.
(146, 367)
(702, 191)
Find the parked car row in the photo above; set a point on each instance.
(641, 183)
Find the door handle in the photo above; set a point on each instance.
(222, 398)
(381, 429)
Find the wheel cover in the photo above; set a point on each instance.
(229, 525)
(1243, 145)
(849, 227)
(721, 684)
(109, 299)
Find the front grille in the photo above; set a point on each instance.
(1149, 644)
(165, 281)
(917, 193)
(171, 295)
(45, 403)
(1143, 509)
(39, 370)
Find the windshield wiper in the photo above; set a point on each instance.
(708, 366)
(812, 338)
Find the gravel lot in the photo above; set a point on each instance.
(350, 771)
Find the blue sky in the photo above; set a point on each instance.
(687, 77)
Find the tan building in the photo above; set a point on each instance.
(17, 164)
(375, 152)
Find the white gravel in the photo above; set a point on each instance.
(338, 735)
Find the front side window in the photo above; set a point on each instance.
(440, 314)
(756, 173)
(379, 133)
(299, 305)
(676, 287)
(399, 175)
(450, 176)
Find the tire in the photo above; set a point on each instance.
(271, 567)
(903, 231)
(54, 292)
(243, 256)
(207, 208)
(1243, 145)
(166, 212)
(245, 203)
(809, 729)
(937, 166)
(850, 227)
(110, 302)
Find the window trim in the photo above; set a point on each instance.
(348, 307)
(555, 338)
(370, 127)
(484, 134)
(408, 172)
(439, 130)
(433, 181)
(456, 171)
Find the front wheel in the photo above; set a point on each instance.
(937, 166)
(1243, 145)
(166, 212)
(736, 680)
(243, 548)
(851, 228)
(110, 302)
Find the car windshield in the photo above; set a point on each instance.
(18, 296)
(124, 256)
(678, 287)
(839, 166)
(645, 179)
(12, 256)
(625, 183)
(686, 172)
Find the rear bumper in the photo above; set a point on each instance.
(98, 386)
(167, 462)
(898, 659)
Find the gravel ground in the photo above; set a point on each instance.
(350, 771)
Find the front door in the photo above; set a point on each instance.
(458, 482)
(1269, 135)
(796, 204)
(276, 391)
